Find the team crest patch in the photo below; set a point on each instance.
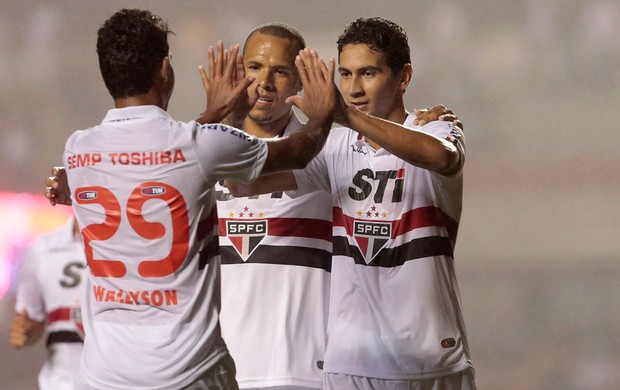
(371, 237)
(245, 236)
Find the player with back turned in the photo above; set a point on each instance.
(142, 188)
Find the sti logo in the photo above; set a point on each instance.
(371, 237)
(246, 235)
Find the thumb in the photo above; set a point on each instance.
(295, 100)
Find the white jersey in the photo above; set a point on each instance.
(276, 262)
(142, 191)
(51, 289)
(394, 308)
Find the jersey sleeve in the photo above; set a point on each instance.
(447, 131)
(314, 177)
(29, 290)
(226, 152)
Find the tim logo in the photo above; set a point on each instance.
(154, 190)
(87, 195)
(246, 235)
(371, 237)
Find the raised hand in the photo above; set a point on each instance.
(57, 187)
(225, 85)
(320, 93)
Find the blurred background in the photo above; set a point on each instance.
(536, 83)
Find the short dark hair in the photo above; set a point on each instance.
(381, 35)
(131, 45)
(281, 30)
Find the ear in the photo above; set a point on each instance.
(165, 68)
(405, 77)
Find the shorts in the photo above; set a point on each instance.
(219, 377)
(463, 380)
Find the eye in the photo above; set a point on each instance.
(344, 74)
(369, 73)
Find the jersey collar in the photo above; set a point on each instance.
(135, 112)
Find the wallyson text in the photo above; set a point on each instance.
(140, 297)
(126, 158)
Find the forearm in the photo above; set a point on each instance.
(416, 147)
(299, 148)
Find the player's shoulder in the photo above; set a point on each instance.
(341, 133)
(220, 135)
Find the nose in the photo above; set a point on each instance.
(354, 87)
(265, 80)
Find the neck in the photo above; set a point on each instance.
(151, 98)
(266, 130)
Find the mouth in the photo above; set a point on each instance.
(264, 99)
(362, 106)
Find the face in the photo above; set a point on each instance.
(368, 83)
(271, 60)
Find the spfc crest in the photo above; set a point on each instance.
(245, 236)
(371, 237)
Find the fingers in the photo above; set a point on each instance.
(301, 69)
(18, 335)
(313, 67)
(437, 112)
(220, 58)
(243, 85)
(204, 77)
(332, 70)
(240, 69)
(211, 55)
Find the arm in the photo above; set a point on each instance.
(318, 104)
(25, 331)
(415, 147)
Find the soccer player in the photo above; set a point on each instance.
(395, 316)
(142, 188)
(49, 293)
(275, 251)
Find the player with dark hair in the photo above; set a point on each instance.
(143, 193)
(395, 317)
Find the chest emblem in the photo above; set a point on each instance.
(371, 237)
(245, 236)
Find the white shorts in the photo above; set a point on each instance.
(463, 380)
